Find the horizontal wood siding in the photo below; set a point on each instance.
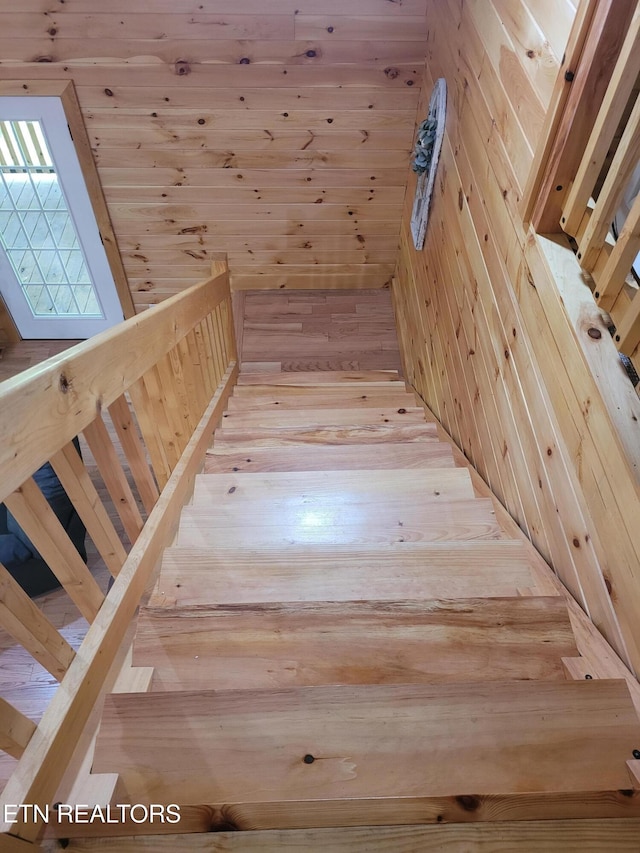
(214, 124)
(486, 337)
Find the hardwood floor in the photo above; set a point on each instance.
(320, 330)
(15, 358)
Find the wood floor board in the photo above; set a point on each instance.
(338, 332)
(280, 645)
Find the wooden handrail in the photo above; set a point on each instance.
(43, 408)
(164, 377)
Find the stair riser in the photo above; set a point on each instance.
(407, 571)
(267, 646)
(346, 458)
(373, 743)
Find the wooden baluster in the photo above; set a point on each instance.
(628, 332)
(620, 172)
(205, 366)
(221, 334)
(150, 432)
(218, 359)
(76, 481)
(594, 44)
(618, 266)
(28, 625)
(34, 515)
(133, 448)
(200, 373)
(230, 331)
(15, 729)
(183, 402)
(161, 415)
(114, 477)
(174, 406)
(210, 351)
(190, 376)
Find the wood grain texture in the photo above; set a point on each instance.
(336, 458)
(343, 573)
(496, 353)
(265, 646)
(262, 101)
(492, 739)
(334, 330)
(544, 836)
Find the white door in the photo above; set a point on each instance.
(54, 274)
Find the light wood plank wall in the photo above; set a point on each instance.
(276, 131)
(484, 333)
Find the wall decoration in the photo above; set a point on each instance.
(425, 159)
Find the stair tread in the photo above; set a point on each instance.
(265, 645)
(326, 435)
(318, 572)
(451, 520)
(337, 457)
(313, 398)
(509, 740)
(324, 417)
(317, 377)
(332, 491)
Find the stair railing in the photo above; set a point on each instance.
(590, 153)
(164, 377)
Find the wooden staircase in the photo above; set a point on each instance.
(342, 635)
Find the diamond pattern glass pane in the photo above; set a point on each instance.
(36, 228)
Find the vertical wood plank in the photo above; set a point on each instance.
(150, 432)
(206, 360)
(188, 370)
(174, 405)
(133, 448)
(77, 483)
(114, 477)
(199, 371)
(237, 312)
(161, 416)
(34, 515)
(216, 348)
